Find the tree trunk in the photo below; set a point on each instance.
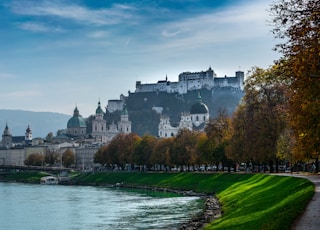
(271, 166)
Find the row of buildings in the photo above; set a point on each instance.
(84, 141)
(193, 81)
(100, 133)
(15, 150)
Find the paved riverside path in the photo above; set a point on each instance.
(310, 219)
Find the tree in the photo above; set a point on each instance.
(261, 119)
(119, 151)
(298, 23)
(202, 151)
(49, 137)
(219, 131)
(143, 150)
(127, 146)
(67, 158)
(184, 147)
(34, 159)
(265, 99)
(101, 156)
(51, 157)
(162, 151)
(237, 149)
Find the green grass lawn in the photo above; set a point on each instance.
(249, 201)
(26, 177)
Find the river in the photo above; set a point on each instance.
(55, 207)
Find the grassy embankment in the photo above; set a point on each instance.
(25, 177)
(249, 201)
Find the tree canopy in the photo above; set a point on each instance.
(297, 23)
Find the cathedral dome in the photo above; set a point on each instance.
(76, 121)
(199, 107)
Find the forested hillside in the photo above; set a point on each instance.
(145, 120)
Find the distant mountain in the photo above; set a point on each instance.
(41, 123)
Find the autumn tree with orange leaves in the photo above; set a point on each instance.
(261, 119)
(298, 24)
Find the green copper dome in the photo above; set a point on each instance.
(76, 121)
(199, 107)
(99, 110)
(124, 111)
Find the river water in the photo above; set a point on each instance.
(53, 207)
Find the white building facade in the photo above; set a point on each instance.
(99, 126)
(196, 119)
(193, 81)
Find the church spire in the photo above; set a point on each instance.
(6, 131)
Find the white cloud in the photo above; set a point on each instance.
(38, 27)
(231, 25)
(76, 13)
(98, 34)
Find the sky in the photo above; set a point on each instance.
(58, 54)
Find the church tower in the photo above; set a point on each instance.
(28, 136)
(99, 125)
(6, 138)
(124, 125)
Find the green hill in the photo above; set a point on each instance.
(145, 120)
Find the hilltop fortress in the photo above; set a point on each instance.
(189, 81)
(149, 104)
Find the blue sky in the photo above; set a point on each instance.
(56, 54)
